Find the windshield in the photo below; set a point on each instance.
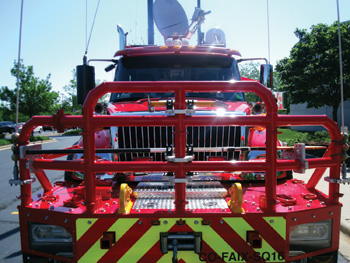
(177, 68)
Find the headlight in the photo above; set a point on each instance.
(50, 238)
(50, 233)
(311, 236)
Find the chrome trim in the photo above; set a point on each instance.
(205, 140)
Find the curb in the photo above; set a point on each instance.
(5, 147)
(8, 146)
(345, 227)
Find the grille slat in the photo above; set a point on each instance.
(162, 137)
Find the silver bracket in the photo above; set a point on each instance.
(185, 159)
(180, 180)
(23, 151)
(32, 157)
(297, 153)
(337, 181)
(19, 182)
(343, 180)
(150, 106)
(186, 111)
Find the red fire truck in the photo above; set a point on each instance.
(178, 168)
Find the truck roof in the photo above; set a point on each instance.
(131, 51)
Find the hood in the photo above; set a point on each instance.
(142, 106)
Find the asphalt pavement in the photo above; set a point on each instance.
(323, 187)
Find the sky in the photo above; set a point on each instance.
(54, 33)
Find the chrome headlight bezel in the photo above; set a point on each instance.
(49, 238)
(311, 236)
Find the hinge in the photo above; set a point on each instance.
(20, 182)
(297, 153)
(337, 181)
(23, 155)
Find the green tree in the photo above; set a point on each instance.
(251, 70)
(71, 90)
(35, 95)
(311, 73)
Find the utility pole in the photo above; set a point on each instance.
(341, 71)
(19, 65)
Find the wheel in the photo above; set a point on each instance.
(67, 174)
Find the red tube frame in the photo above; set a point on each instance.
(271, 121)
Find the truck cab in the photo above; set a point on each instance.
(177, 167)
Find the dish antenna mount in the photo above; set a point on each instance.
(172, 22)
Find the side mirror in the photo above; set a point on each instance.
(85, 81)
(266, 75)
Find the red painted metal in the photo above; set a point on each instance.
(44, 181)
(271, 121)
(183, 50)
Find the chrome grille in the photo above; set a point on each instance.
(162, 137)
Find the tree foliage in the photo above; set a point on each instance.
(311, 74)
(251, 70)
(71, 104)
(35, 94)
(71, 89)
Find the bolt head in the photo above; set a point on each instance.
(15, 136)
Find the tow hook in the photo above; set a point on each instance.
(175, 260)
(180, 241)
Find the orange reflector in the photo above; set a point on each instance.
(155, 222)
(259, 128)
(181, 222)
(206, 222)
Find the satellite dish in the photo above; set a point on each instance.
(215, 36)
(170, 18)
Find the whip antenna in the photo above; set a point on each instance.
(268, 30)
(92, 27)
